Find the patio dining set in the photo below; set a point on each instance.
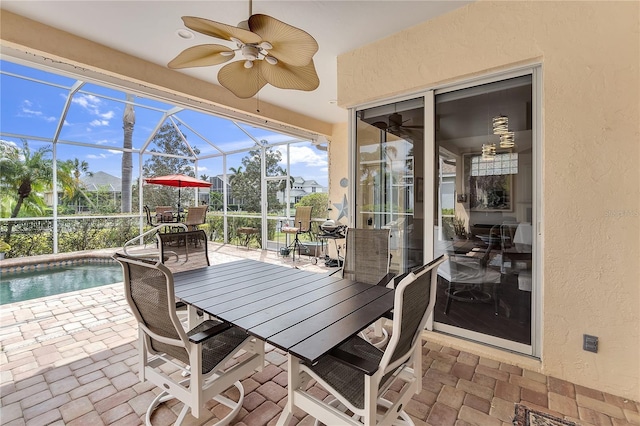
(201, 317)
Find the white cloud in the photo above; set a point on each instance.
(92, 104)
(29, 110)
(98, 123)
(97, 156)
(306, 156)
(116, 152)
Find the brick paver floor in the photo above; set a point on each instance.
(71, 360)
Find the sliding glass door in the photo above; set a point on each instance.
(453, 172)
(484, 212)
(390, 177)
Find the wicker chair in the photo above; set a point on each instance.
(203, 353)
(303, 222)
(366, 260)
(356, 374)
(164, 214)
(196, 216)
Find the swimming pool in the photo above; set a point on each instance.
(27, 285)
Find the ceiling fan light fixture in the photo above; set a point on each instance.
(250, 52)
(266, 45)
(248, 64)
(500, 124)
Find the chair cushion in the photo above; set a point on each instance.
(219, 346)
(344, 378)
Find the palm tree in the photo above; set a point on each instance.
(23, 173)
(70, 180)
(128, 120)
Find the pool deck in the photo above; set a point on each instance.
(71, 359)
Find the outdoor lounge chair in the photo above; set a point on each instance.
(366, 260)
(203, 353)
(356, 374)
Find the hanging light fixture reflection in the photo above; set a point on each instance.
(507, 140)
(500, 124)
(488, 151)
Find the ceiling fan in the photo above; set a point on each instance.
(270, 51)
(396, 126)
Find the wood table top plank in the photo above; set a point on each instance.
(258, 302)
(291, 328)
(226, 287)
(223, 278)
(313, 347)
(281, 309)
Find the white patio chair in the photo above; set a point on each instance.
(357, 374)
(203, 353)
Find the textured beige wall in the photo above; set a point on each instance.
(590, 55)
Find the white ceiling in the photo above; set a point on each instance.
(147, 29)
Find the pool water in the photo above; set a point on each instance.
(17, 287)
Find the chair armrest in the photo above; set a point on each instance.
(209, 333)
(386, 279)
(368, 367)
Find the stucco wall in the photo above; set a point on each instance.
(590, 56)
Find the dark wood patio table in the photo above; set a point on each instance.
(303, 313)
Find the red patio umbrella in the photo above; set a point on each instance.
(179, 181)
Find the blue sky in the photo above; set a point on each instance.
(30, 108)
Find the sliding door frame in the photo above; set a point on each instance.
(535, 70)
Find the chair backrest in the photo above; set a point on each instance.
(164, 214)
(182, 251)
(149, 290)
(303, 218)
(414, 301)
(196, 215)
(147, 212)
(367, 255)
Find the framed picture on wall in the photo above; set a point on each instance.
(489, 182)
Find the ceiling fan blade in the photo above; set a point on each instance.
(290, 44)
(242, 82)
(285, 76)
(201, 56)
(219, 30)
(380, 125)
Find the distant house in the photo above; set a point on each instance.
(300, 188)
(101, 181)
(99, 188)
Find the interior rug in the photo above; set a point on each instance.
(528, 417)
